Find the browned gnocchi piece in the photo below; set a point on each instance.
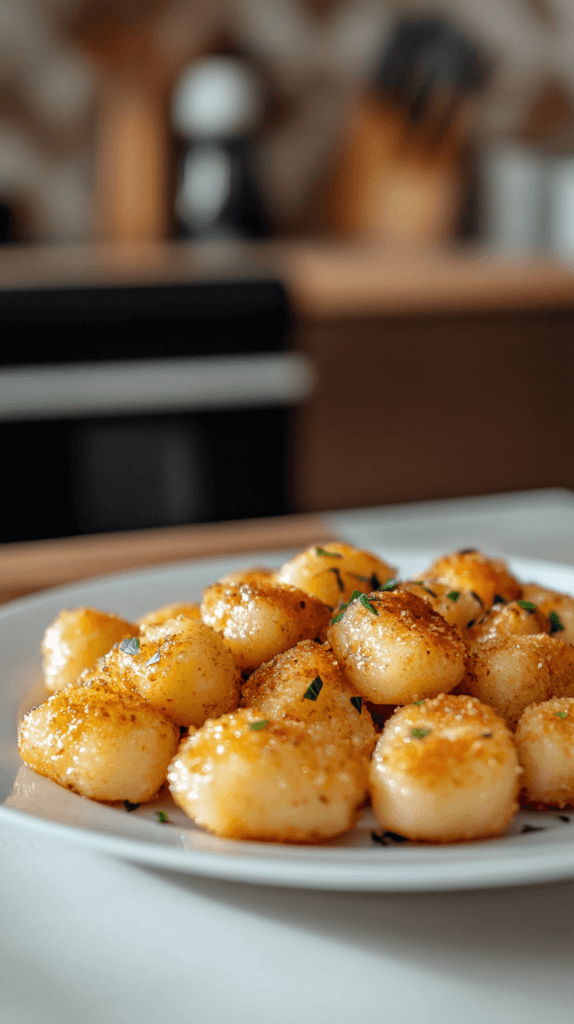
(395, 649)
(76, 639)
(159, 616)
(444, 771)
(460, 608)
(518, 618)
(470, 569)
(306, 684)
(510, 673)
(260, 620)
(244, 776)
(183, 668)
(557, 607)
(104, 745)
(545, 741)
(334, 570)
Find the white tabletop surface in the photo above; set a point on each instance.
(86, 938)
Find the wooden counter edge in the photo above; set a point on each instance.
(27, 567)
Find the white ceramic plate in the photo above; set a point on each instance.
(356, 862)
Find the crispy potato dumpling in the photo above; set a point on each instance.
(558, 608)
(394, 648)
(247, 777)
(511, 673)
(445, 771)
(261, 620)
(188, 609)
(306, 684)
(101, 744)
(258, 574)
(334, 571)
(471, 570)
(460, 608)
(184, 668)
(519, 618)
(76, 639)
(545, 741)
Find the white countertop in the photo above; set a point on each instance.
(88, 938)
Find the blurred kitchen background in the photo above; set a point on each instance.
(262, 256)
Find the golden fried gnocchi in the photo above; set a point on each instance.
(244, 776)
(159, 616)
(469, 569)
(306, 685)
(460, 608)
(76, 639)
(260, 620)
(513, 672)
(394, 648)
(333, 571)
(557, 607)
(518, 618)
(101, 744)
(259, 574)
(184, 668)
(545, 742)
(445, 771)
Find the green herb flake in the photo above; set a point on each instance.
(339, 615)
(328, 554)
(498, 599)
(561, 714)
(419, 734)
(390, 585)
(527, 605)
(154, 659)
(556, 624)
(419, 701)
(129, 806)
(313, 691)
(161, 817)
(130, 645)
(256, 726)
(367, 604)
(357, 703)
(375, 582)
(454, 595)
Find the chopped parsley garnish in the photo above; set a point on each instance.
(454, 595)
(418, 734)
(357, 703)
(154, 659)
(527, 605)
(367, 604)
(161, 817)
(390, 585)
(556, 624)
(314, 689)
(339, 616)
(421, 701)
(328, 554)
(375, 582)
(561, 714)
(498, 599)
(258, 725)
(129, 806)
(130, 645)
